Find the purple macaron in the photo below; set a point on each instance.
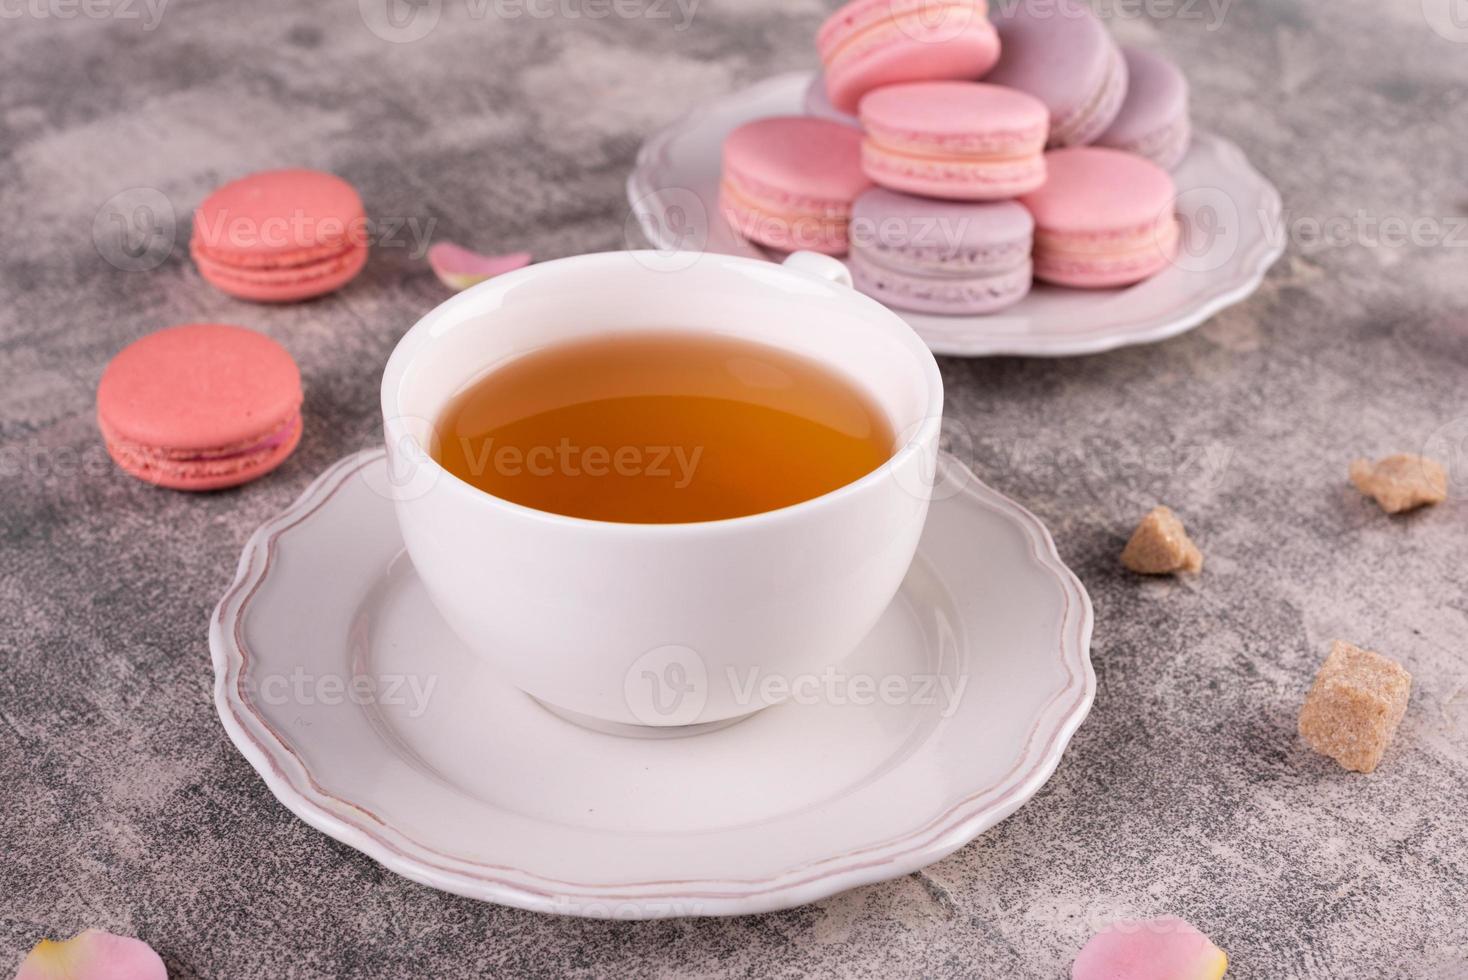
(932, 256)
(1154, 118)
(1060, 52)
(818, 103)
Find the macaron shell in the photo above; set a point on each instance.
(954, 179)
(198, 388)
(261, 218)
(200, 250)
(1153, 121)
(951, 295)
(872, 43)
(1098, 190)
(816, 159)
(204, 474)
(962, 118)
(284, 284)
(1062, 54)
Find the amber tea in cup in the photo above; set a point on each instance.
(661, 428)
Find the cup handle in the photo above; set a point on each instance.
(821, 266)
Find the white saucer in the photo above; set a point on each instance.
(1232, 234)
(466, 784)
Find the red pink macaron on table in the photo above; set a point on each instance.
(205, 406)
(937, 114)
(281, 236)
(201, 406)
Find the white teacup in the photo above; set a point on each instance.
(662, 624)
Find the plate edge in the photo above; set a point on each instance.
(238, 721)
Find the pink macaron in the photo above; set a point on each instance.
(1104, 218)
(870, 43)
(281, 236)
(789, 182)
(200, 406)
(1061, 53)
(964, 141)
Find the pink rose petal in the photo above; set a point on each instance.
(1155, 949)
(458, 268)
(92, 955)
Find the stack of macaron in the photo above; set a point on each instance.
(955, 157)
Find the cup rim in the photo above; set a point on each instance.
(418, 339)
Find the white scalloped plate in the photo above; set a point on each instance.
(1232, 234)
(338, 681)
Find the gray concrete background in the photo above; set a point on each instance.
(124, 806)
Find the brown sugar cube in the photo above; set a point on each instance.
(1401, 482)
(1354, 706)
(1160, 546)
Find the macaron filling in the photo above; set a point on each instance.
(320, 266)
(942, 176)
(277, 437)
(990, 142)
(785, 223)
(758, 193)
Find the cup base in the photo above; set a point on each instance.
(626, 730)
